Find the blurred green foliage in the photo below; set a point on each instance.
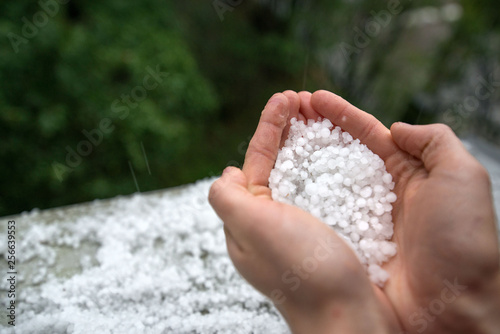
(88, 61)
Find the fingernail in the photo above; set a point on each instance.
(226, 170)
(277, 99)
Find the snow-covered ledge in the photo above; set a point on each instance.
(147, 263)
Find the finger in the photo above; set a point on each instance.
(240, 211)
(294, 106)
(435, 145)
(306, 109)
(227, 190)
(358, 123)
(230, 197)
(263, 148)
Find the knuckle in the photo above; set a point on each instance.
(479, 171)
(369, 128)
(442, 131)
(260, 149)
(473, 171)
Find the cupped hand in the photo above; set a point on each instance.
(445, 277)
(312, 276)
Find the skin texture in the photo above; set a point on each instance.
(445, 277)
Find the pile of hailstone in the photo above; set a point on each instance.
(148, 263)
(323, 170)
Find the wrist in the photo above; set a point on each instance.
(337, 317)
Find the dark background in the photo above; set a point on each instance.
(67, 68)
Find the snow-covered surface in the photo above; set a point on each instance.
(148, 263)
(323, 170)
(153, 263)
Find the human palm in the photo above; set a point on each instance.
(274, 246)
(444, 228)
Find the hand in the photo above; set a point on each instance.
(445, 276)
(314, 278)
(447, 261)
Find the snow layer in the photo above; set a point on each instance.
(323, 170)
(159, 265)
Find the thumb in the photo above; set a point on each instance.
(436, 145)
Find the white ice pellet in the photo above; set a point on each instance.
(366, 192)
(284, 190)
(288, 164)
(387, 178)
(379, 209)
(347, 137)
(311, 189)
(378, 189)
(343, 223)
(338, 178)
(391, 197)
(325, 133)
(344, 152)
(361, 203)
(363, 226)
(343, 183)
(347, 182)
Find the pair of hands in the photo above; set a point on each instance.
(445, 277)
